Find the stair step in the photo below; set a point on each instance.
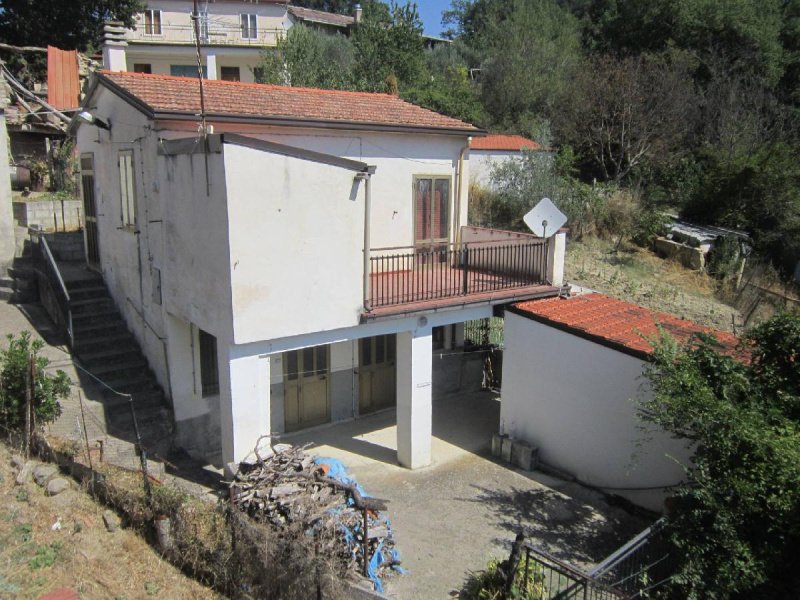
(83, 284)
(141, 401)
(92, 342)
(130, 385)
(86, 293)
(104, 367)
(104, 312)
(84, 326)
(118, 352)
(92, 306)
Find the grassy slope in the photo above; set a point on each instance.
(638, 276)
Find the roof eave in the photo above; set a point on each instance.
(317, 123)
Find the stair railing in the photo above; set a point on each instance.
(57, 302)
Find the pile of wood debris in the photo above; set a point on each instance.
(289, 487)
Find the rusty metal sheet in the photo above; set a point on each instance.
(63, 84)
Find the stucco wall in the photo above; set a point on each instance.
(575, 400)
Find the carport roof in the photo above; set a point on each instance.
(618, 324)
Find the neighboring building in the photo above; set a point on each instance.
(298, 266)
(487, 153)
(572, 374)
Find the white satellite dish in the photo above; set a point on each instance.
(544, 219)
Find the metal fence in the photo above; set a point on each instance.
(407, 274)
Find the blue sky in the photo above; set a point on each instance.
(430, 11)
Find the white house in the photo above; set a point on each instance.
(290, 269)
(572, 374)
(233, 34)
(491, 151)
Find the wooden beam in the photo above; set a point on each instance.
(21, 49)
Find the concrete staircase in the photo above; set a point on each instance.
(104, 347)
(18, 285)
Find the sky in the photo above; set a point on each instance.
(430, 11)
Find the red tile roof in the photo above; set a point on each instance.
(504, 142)
(164, 95)
(624, 326)
(319, 16)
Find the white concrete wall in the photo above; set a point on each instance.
(7, 243)
(481, 163)
(160, 59)
(575, 400)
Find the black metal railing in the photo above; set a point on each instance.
(412, 274)
(52, 289)
(554, 579)
(640, 566)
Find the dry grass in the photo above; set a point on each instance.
(82, 555)
(637, 275)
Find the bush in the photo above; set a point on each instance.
(488, 584)
(14, 364)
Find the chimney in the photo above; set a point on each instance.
(357, 14)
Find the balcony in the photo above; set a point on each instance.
(487, 265)
(215, 35)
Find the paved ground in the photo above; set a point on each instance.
(466, 508)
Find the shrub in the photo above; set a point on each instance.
(488, 584)
(14, 364)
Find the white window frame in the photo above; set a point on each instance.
(152, 12)
(127, 189)
(249, 26)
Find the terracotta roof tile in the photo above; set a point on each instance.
(162, 93)
(504, 142)
(319, 16)
(627, 326)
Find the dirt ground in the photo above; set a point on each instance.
(637, 275)
(82, 555)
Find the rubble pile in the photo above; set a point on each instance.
(289, 487)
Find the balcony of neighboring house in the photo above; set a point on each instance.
(156, 28)
(483, 266)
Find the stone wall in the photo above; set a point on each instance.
(691, 258)
(50, 215)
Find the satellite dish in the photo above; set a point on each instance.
(544, 219)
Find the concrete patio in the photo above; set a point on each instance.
(452, 517)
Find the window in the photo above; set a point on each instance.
(142, 68)
(431, 210)
(152, 22)
(249, 26)
(259, 74)
(209, 373)
(186, 71)
(127, 188)
(230, 74)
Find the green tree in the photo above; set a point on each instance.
(77, 24)
(736, 523)
(307, 57)
(14, 365)
(388, 46)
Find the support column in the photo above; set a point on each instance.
(556, 250)
(244, 403)
(114, 58)
(414, 397)
(211, 66)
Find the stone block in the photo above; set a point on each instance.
(497, 444)
(505, 449)
(56, 485)
(525, 456)
(111, 520)
(42, 473)
(24, 474)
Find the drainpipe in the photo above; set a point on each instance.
(459, 187)
(367, 177)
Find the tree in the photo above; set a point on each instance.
(77, 24)
(624, 113)
(736, 524)
(388, 46)
(307, 57)
(14, 364)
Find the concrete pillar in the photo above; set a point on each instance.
(211, 66)
(7, 242)
(414, 398)
(556, 252)
(244, 402)
(114, 58)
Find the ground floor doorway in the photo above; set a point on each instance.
(306, 387)
(377, 378)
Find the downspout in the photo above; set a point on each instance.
(366, 176)
(459, 187)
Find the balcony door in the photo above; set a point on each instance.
(377, 386)
(306, 391)
(431, 213)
